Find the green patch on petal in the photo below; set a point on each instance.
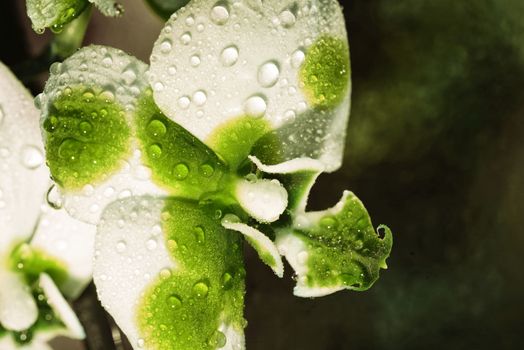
(185, 308)
(342, 249)
(86, 136)
(298, 186)
(32, 262)
(54, 14)
(325, 72)
(179, 161)
(165, 8)
(234, 140)
(263, 253)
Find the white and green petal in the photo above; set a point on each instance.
(207, 71)
(68, 242)
(25, 178)
(18, 309)
(170, 274)
(266, 249)
(55, 14)
(334, 249)
(106, 139)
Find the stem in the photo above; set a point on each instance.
(61, 46)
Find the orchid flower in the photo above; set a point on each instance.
(55, 14)
(218, 141)
(43, 251)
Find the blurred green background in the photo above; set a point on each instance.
(435, 150)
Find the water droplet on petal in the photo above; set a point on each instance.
(218, 340)
(121, 246)
(227, 280)
(156, 128)
(219, 14)
(195, 60)
(287, 18)
(181, 171)
(207, 170)
(151, 244)
(154, 151)
(297, 58)
(184, 102)
(107, 61)
(174, 301)
(185, 38)
(199, 98)
(229, 56)
(32, 157)
(255, 106)
(200, 234)
(165, 46)
(200, 289)
(268, 74)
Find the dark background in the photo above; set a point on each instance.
(435, 150)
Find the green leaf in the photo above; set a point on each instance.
(188, 283)
(165, 8)
(54, 14)
(335, 249)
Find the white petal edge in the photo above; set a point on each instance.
(235, 338)
(109, 8)
(71, 242)
(61, 307)
(262, 240)
(25, 178)
(130, 254)
(265, 200)
(290, 166)
(18, 310)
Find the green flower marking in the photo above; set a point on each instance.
(325, 72)
(33, 262)
(234, 140)
(185, 308)
(86, 137)
(342, 249)
(179, 161)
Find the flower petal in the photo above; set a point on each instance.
(18, 309)
(106, 139)
(25, 178)
(61, 308)
(108, 7)
(69, 241)
(298, 177)
(335, 249)
(170, 274)
(295, 74)
(263, 199)
(53, 13)
(266, 249)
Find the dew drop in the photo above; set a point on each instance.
(226, 280)
(218, 340)
(140, 342)
(190, 20)
(32, 157)
(174, 301)
(171, 70)
(200, 27)
(219, 14)
(151, 244)
(207, 170)
(154, 151)
(54, 198)
(165, 273)
(107, 61)
(181, 171)
(287, 18)
(268, 74)
(255, 106)
(165, 46)
(121, 246)
(297, 58)
(129, 76)
(158, 86)
(156, 128)
(200, 289)
(184, 102)
(185, 38)
(229, 56)
(195, 60)
(199, 98)
(85, 127)
(200, 234)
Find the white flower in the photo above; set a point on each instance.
(40, 247)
